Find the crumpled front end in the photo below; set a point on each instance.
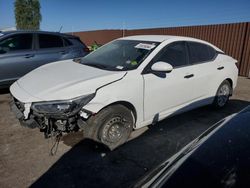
(50, 124)
(18, 108)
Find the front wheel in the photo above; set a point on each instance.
(114, 125)
(222, 95)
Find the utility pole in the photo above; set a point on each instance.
(123, 29)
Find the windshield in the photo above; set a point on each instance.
(120, 55)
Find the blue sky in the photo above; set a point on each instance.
(80, 15)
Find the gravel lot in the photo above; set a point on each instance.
(25, 159)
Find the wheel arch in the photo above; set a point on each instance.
(231, 84)
(127, 104)
(230, 81)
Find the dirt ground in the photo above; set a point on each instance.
(25, 159)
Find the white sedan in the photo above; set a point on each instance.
(126, 84)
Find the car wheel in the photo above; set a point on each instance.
(113, 126)
(222, 95)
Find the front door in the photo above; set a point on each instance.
(167, 93)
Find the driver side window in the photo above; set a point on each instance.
(16, 42)
(175, 54)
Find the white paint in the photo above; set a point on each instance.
(153, 97)
(162, 66)
(26, 110)
(63, 80)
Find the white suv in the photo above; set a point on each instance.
(124, 85)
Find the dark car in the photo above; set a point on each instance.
(23, 51)
(220, 157)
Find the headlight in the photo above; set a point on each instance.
(63, 107)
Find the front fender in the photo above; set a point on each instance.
(95, 107)
(128, 90)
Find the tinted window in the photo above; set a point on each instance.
(67, 42)
(174, 54)
(200, 52)
(50, 41)
(16, 42)
(77, 41)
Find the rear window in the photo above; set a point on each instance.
(199, 53)
(50, 41)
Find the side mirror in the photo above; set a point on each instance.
(161, 66)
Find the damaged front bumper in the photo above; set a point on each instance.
(50, 125)
(18, 110)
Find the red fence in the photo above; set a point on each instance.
(233, 39)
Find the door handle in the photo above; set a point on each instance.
(220, 68)
(63, 52)
(29, 55)
(189, 76)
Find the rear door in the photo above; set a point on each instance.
(201, 59)
(50, 48)
(16, 56)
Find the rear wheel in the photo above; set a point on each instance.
(113, 125)
(222, 95)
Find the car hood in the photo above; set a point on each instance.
(62, 80)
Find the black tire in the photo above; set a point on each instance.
(222, 95)
(112, 126)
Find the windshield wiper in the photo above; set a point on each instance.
(100, 66)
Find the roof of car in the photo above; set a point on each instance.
(154, 38)
(34, 31)
(161, 38)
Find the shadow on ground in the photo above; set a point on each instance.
(88, 164)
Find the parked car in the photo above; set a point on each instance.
(124, 85)
(217, 158)
(23, 51)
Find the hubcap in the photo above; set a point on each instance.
(115, 129)
(223, 95)
(115, 132)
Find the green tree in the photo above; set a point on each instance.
(27, 14)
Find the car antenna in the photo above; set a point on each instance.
(60, 29)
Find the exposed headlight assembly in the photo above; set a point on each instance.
(62, 107)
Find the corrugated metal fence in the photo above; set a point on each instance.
(234, 39)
